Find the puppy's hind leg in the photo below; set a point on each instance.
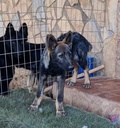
(87, 79)
(87, 83)
(30, 81)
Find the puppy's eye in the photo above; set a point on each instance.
(61, 55)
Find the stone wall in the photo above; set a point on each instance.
(117, 68)
(95, 19)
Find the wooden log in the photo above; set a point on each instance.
(80, 75)
(90, 71)
(47, 89)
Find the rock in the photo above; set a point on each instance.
(109, 56)
(73, 2)
(64, 24)
(59, 9)
(36, 28)
(85, 4)
(40, 14)
(23, 7)
(75, 18)
(27, 19)
(5, 18)
(99, 12)
(93, 35)
(36, 4)
(106, 33)
(16, 2)
(49, 2)
(2, 27)
(50, 13)
(111, 15)
(3, 7)
(16, 21)
(86, 7)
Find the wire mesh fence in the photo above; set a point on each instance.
(43, 17)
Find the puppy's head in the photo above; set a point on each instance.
(59, 53)
(74, 45)
(14, 39)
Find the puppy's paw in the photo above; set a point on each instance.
(87, 86)
(34, 105)
(70, 83)
(30, 90)
(60, 113)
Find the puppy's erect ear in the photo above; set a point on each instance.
(9, 30)
(61, 37)
(24, 31)
(51, 42)
(68, 39)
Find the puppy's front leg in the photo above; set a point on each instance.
(30, 81)
(39, 96)
(60, 95)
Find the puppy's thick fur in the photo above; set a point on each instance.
(80, 47)
(55, 61)
(9, 54)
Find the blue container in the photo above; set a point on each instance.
(90, 66)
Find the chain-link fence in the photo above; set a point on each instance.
(43, 17)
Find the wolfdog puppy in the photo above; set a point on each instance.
(79, 47)
(55, 61)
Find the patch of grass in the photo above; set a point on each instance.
(14, 113)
